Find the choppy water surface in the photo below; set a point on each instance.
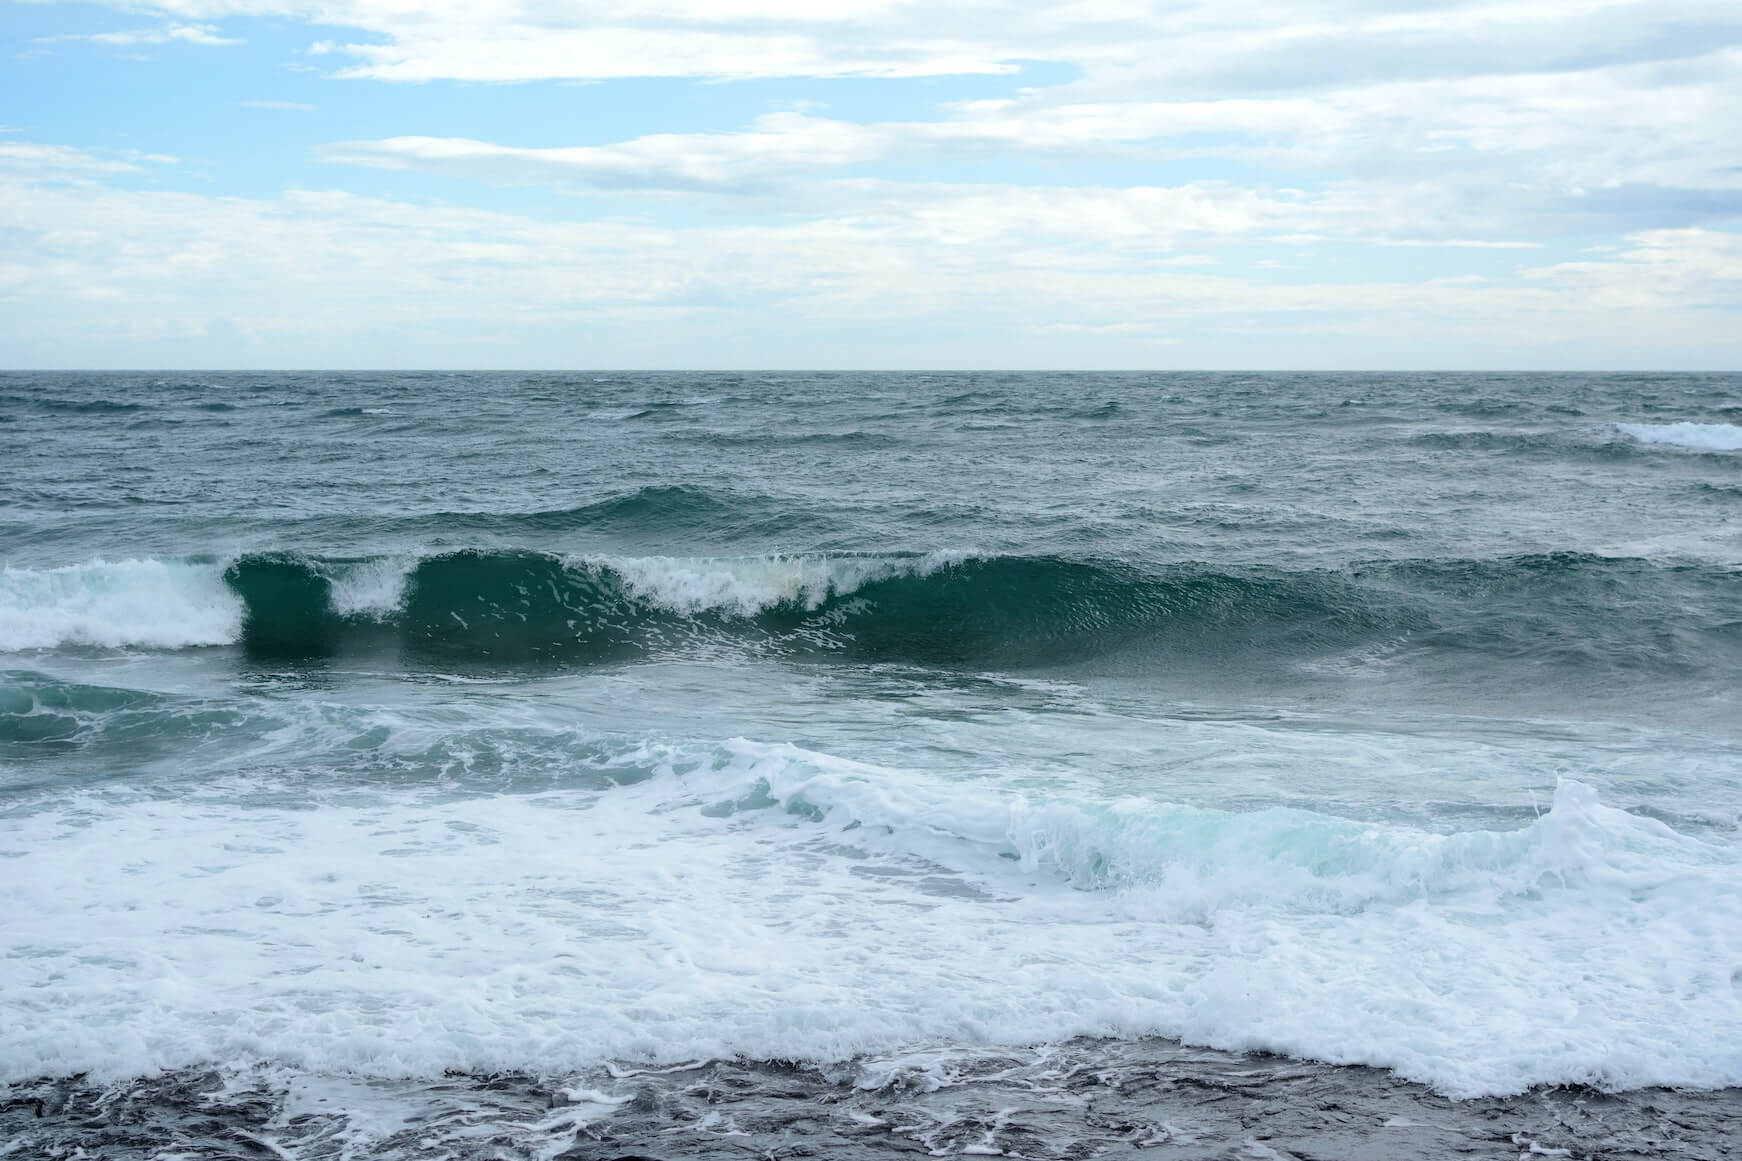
(430, 765)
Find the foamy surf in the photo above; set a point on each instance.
(743, 587)
(1697, 436)
(784, 904)
(151, 604)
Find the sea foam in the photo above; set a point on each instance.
(775, 902)
(744, 586)
(1699, 436)
(152, 604)
(372, 589)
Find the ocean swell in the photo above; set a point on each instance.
(522, 606)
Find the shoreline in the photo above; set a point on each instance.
(1155, 1098)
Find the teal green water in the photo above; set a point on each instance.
(382, 725)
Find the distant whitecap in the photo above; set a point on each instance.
(1699, 436)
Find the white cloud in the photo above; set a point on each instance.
(1120, 223)
(1637, 148)
(1017, 272)
(1186, 128)
(1472, 120)
(1178, 47)
(785, 158)
(1498, 157)
(56, 162)
(1461, 243)
(780, 144)
(1662, 270)
(166, 34)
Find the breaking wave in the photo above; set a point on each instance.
(510, 606)
(1698, 436)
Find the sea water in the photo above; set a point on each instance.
(366, 737)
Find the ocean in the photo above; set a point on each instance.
(683, 765)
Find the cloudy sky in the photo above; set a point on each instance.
(865, 183)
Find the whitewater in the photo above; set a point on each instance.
(537, 765)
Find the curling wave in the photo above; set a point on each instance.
(513, 606)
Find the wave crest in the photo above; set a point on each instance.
(150, 604)
(1698, 436)
(945, 609)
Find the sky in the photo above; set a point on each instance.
(1096, 184)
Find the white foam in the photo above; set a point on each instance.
(1197, 861)
(168, 604)
(744, 586)
(370, 588)
(146, 603)
(774, 902)
(1700, 436)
